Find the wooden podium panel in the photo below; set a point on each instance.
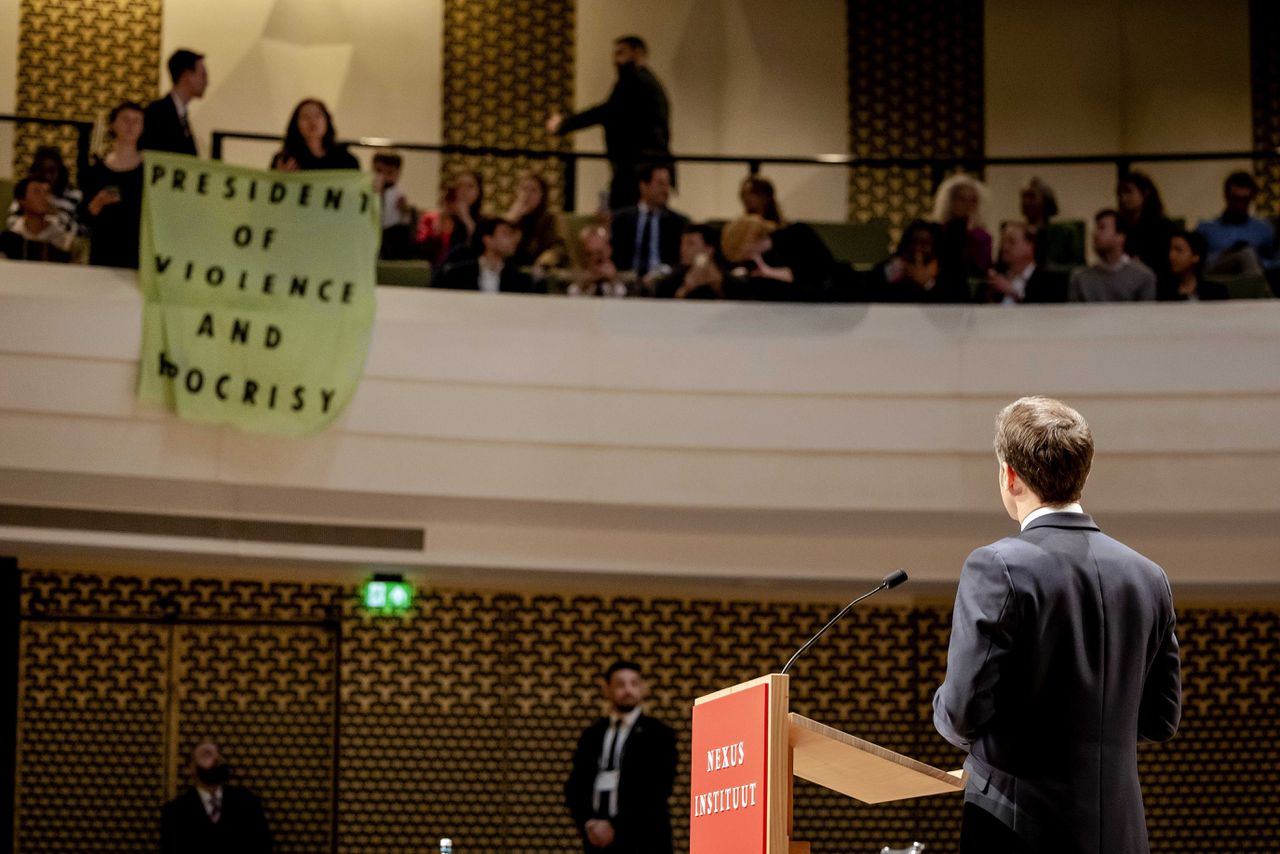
(860, 769)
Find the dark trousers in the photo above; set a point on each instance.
(624, 187)
(983, 833)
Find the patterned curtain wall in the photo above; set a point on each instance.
(508, 64)
(459, 718)
(915, 90)
(1263, 25)
(76, 60)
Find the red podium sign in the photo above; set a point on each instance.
(729, 785)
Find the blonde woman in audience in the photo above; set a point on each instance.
(959, 207)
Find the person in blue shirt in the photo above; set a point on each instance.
(1239, 243)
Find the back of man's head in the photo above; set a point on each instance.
(1048, 444)
(181, 62)
(634, 42)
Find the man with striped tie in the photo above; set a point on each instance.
(212, 816)
(623, 772)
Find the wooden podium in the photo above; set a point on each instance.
(747, 749)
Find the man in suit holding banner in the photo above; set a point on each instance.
(1062, 657)
(623, 773)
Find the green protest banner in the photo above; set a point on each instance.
(259, 292)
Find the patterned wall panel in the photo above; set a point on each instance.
(508, 64)
(915, 90)
(78, 59)
(459, 718)
(1263, 25)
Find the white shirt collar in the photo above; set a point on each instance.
(182, 108)
(1073, 507)
(628, 720)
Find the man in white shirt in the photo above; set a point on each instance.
(623, 772)
(166, 126)
(1022, 280)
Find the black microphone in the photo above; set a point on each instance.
(893, 579)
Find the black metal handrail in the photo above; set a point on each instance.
(938, 167)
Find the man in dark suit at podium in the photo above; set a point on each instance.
(623, 772)
(213, 817)
(164, 124)
(1062, 657)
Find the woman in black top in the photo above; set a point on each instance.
(113, 187)
(309, 141)
(1146, 229)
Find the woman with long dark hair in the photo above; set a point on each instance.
(1146, 229)
(310, 141)
(541, 243)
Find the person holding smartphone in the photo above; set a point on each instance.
(113, 187)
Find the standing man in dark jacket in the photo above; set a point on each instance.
(164, 125)
(636, 120)
(1062, 658)
(623, 772)
(213, 817)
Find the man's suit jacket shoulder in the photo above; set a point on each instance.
(162, 129)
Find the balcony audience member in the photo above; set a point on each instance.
(958, 207)
(1018, 278)
(599, 275)
(700, 274)
(914, 273)
(1116, 277)
(451, 227)
(113, 186)
(761, 268)
(165, 127)
(759, 197)
(1147, 230)
(491, 269)
(1058, 245)
(1186, 263)
(37, 234)
(397, 213)
(48, 165)
(1237, 242)
(541, 244)
(636, 119)
(212, 816)
(310, 141)
(646, 238)
(1039, 204)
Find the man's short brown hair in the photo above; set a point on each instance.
(1048, 444)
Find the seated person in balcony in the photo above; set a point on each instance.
(965, 250)
(38, 234)
(599, 275)
(700, 275)
(48, 165)
(761, 268)
(1238, 243)
(759, 197)
(646, 238)
(310, 141)
(1018, 278)
(451, 227)
(914, 273)
(113, 187)
(491, 269)
(541, 244)
(1116, 277)
(1186, 264)
(397, 213)
(165, 127)
(1147, 230)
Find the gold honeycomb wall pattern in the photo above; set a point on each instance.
(1265, 59)
(76, 60)
(459, 718)
(508, 64)
(915, 90)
